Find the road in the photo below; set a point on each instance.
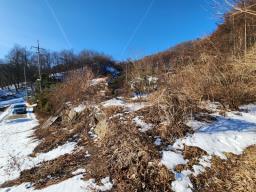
(15, 142)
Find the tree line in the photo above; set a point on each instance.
(21, 63)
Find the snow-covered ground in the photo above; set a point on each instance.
(16, 145)
(74, 184)
(230, 134)
(10, 102)
(5, 113)
(11, 96)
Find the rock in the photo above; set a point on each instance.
(72, 114)
(101, 128)
(99, 114)
(101, 124)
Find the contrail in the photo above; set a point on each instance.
(58, 24)
(137, 27)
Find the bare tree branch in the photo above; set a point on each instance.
(245, 10)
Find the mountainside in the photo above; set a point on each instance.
(182, 120)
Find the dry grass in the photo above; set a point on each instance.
(57, 170)
(60, 133)
(237, 174)
(192, 154)
(51, 172)
(133, 161)
(231, 83)
(129, 157)
(72, 90)
(169, 111)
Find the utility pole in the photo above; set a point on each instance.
(25, 75)
(38, 49)
(25, 78)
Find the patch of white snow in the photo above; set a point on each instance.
(16, 144)
(78, 172)
(171, 159)
(79, 108)
(119, 102)
(10, 102)
(113, 102)
(144, 127)
(230, 134)
(76, 184)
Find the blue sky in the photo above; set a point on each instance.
(121, 28)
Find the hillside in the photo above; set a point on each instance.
(181, 120)
(230, 39)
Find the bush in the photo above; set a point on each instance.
(231, 83)
(72, 89)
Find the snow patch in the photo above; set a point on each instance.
(134, 106)
(158, 141)
(230, 134)
(76, 184)
(53, 154)
(18, 162)
(171, 159)
(79, 108)
(251, 108)
(78, 172)
(194, 124)
(182, 182)
(211, 106)
(98, 81)
(113, 102)
(144, 127)
(10, 102)
(139, 96)
(119, 102)
(5, 113)
(16, 144)
(87, 154)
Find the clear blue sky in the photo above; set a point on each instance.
(121, 28)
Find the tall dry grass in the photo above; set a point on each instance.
(237, 174)
(231, 83)
(72, 89)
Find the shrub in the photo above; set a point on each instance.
(72, 89)
(231, 83)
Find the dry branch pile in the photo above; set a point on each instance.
(133, 161)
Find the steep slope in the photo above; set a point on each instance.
(189, 130)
